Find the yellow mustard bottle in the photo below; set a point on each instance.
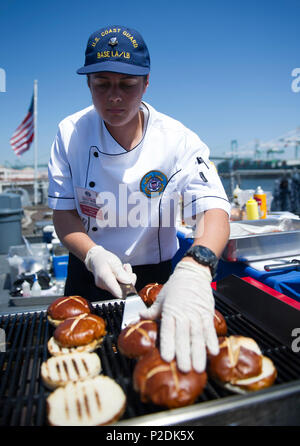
(252, 209)
(261, 199)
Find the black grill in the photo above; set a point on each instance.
(23, 395)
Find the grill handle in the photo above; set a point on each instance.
(294, 264)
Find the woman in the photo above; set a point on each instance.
(116, 172)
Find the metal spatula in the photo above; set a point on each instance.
(133, 304)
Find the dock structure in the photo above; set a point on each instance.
(23, 182)
(257, 172)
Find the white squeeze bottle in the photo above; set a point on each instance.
(36, 288)
(236, 192)
(26, 289)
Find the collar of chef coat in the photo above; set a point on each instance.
(109, 145)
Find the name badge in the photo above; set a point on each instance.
(87, 200)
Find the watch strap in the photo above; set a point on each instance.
(204, 256)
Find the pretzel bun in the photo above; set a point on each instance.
(162, 383)
(57, 350)
(93, 402)
(220, 324)
(239, 358)
(149, 293)
(65, 307)
(137, 339)
(241, 366)
(59, 371)
(80, 330)
(265, 379)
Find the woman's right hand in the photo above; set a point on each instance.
(108, 270)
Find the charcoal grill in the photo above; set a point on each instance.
(23, 395)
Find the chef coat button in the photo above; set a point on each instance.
(92, 184)
(96, 154)
(94, 228)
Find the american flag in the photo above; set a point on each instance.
(24, 134)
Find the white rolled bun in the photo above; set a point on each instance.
(56, 350)
(94, 402)
(59, 370)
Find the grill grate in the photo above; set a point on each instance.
(23, 395)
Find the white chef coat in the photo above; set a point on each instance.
(170, 161)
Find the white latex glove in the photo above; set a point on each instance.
(186, 306)
(108, 270)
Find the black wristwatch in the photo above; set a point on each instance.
(204, 256)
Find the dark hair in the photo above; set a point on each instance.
(145, 77)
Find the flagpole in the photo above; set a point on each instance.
(35, 93)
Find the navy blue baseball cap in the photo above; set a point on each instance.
(118, 49)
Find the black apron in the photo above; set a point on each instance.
(81, 282)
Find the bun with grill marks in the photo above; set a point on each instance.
(56, 350)
(59, 371)
(93, 402)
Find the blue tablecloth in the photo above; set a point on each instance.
(184, 244)
(285, 281)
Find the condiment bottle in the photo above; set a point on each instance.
(26, 289)
(236, 192)
(236, 211)
(252, 209)
(36, 288)
(261, 199)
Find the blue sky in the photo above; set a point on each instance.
(222, 67)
